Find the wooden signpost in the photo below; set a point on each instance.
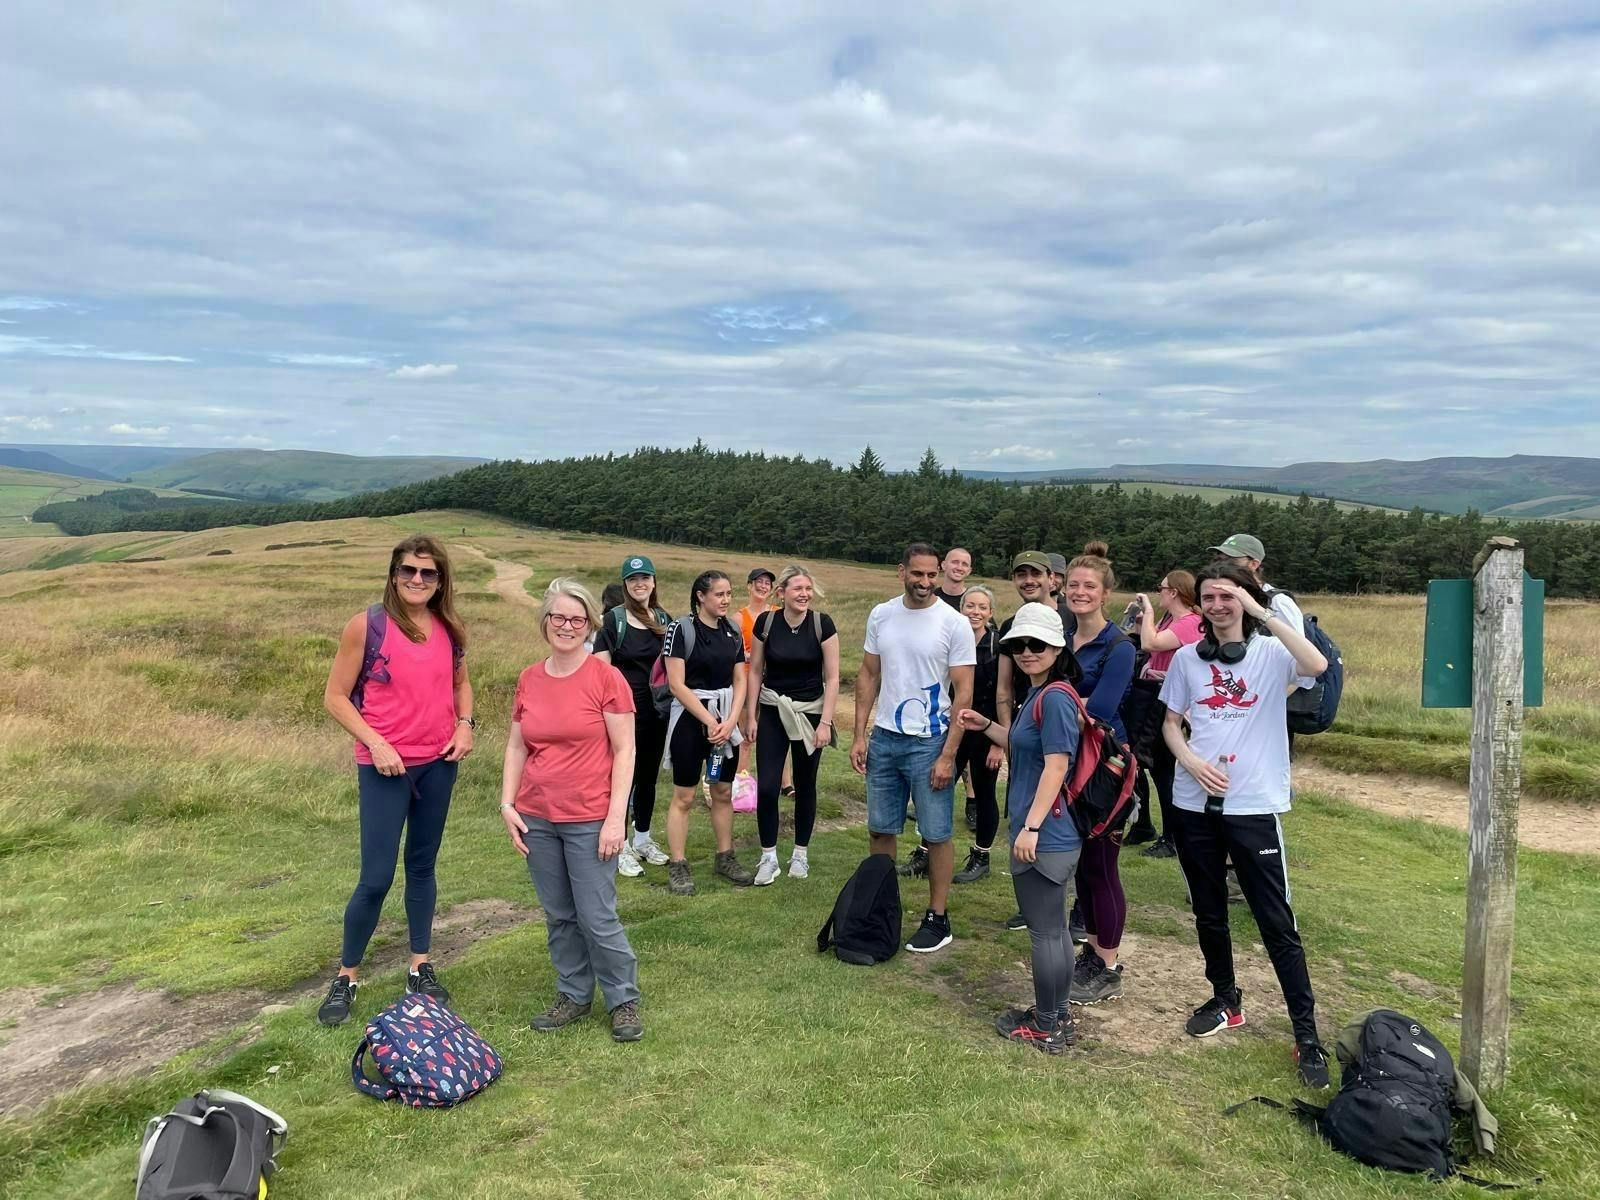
(1497, 685)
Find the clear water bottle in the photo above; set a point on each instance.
(1214, 803)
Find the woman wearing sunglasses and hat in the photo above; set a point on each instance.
(399, 686)
(1045, 843)
(1232, 686)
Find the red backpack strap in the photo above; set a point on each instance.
(1072, 784)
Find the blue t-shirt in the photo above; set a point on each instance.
(1029, 745)
(1107, 666)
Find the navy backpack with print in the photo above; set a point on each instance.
(426, 1055)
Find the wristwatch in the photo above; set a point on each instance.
(1032, 829)
(468, 721)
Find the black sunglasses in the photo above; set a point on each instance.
(427, 574)
(1031, 645)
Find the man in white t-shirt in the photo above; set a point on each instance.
(1232, 687)
(918, 665)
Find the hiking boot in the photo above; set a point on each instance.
(423, 982)
(1162, 847)
(1088, 965)
(335, 1009)
(767, 870)
(1313, 1060)
(1016, 922)
(625, 1026)
(1104, 984)
(977, 867)
(933, 934)
(679, 881)
(731, 869)
(916, 865)
(1217, 1014)
(559, 1015)
(972, 815)
(799, 865)
(628, 865)
(1052, 1041)
(1075, 927)
(649, 852)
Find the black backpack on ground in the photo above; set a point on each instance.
(214, 1145)
(864, 927)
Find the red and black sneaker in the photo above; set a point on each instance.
(1049, 1041)
(1217, 1014)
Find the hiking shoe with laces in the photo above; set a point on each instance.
(1088, 965)
(731, 869)
(1162, 847)
(1217, 1014)
(972, 815)
(799, 866)
(1016, 922)
(423, 982)
(559, 1015)
(1104, 984)
(679, 880)
(933, 934)
(628, 864)
(916, 865)
(335, 1009)
(767, 870)
(625, 1025)
(1313, 1062)
(977, 867)
(1051, 1041)
(650, 852)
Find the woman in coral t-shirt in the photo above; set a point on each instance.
(1179, 626)
(564, 797)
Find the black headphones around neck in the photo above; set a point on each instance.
(1227, 652)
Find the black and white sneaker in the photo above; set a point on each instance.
(933, 934)
(1216, 1015)
(335, 1009)
(916, 866)
(1075, 927)
(1016, 922)
(423, 982)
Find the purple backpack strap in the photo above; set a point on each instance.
(377, 629)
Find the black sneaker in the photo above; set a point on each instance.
(972, 815)
(1161, 848)
(423, 982)
(1017, 922)
(1075, 926)
(1313, 1060)
(1051, 1041)
(916, 865)
(335, 1009)
(1217, 1014)
(933, 934)
(1006, 1023)
(1104, 984)
(1139, 835)
(977, 867)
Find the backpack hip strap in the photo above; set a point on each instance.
(358, 1077)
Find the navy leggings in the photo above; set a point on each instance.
(419, 801)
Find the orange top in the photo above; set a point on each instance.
(747, 624)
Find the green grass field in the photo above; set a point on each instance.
(176, 810)
(22, 491)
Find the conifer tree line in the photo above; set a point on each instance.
(795, 507)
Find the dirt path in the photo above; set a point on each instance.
(1542, 824)
(509, 577)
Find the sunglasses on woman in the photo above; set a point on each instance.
(1030, 645)
(427, 574)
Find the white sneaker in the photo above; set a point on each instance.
(650, 852)
(627, 864)
(766, 871)
(799, 867)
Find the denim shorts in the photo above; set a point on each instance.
(898, 765)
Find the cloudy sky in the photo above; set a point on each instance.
(1028, 235)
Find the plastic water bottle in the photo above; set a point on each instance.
(714, 767)
(1214, 803)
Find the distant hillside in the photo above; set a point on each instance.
(110, 462)
(295, 474)
(22, 491)
(1522, 485)
(39, 460)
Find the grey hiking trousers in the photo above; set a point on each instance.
(578, 893)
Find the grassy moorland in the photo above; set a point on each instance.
(175, 809)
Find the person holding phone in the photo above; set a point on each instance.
(1178, 626)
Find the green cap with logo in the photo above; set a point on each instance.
(1242, 545)
(1031, 558)
(637, 564)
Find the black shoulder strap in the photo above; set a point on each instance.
(825, 938)
(766, 631)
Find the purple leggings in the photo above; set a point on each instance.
(1100, 898)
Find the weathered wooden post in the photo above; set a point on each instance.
(1496, 789)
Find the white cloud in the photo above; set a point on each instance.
(253, 441)
(425, 371)
(48, 348)
(325, 360)
(1020, 452)
(32, 424)
(123, 429)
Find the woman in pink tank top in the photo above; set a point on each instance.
(399, 686)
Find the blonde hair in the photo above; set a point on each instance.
(1094, 558)
(572, 590)
(982, 589)
(790, 572)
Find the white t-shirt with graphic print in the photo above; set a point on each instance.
(917, 647)
(1236, 710)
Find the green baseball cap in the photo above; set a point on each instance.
(638, 564)
(1031, 558)
(1242, 545)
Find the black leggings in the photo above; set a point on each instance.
(1043, 902)
(973, 752)
(1162, 769)
(649, 740)
(772, 744)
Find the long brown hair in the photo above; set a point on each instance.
(645, 613)
(1182, 584)
(443, 601)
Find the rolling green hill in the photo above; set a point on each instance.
(295, 474)
(22, 491)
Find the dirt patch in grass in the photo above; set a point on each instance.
(509, 579)
(1541, 824)
(128, 1030)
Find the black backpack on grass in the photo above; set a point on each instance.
(214, 1145)
(864, 927)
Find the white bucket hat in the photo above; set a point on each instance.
(1034, 620)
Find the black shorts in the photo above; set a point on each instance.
(690, 750)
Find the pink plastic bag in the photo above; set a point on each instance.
(744, 792)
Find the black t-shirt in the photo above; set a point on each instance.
(634, 657)
(953, 601)
(986, 677)
(793, 662)
(716, 650)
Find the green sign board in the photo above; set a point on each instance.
(1447, 644)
